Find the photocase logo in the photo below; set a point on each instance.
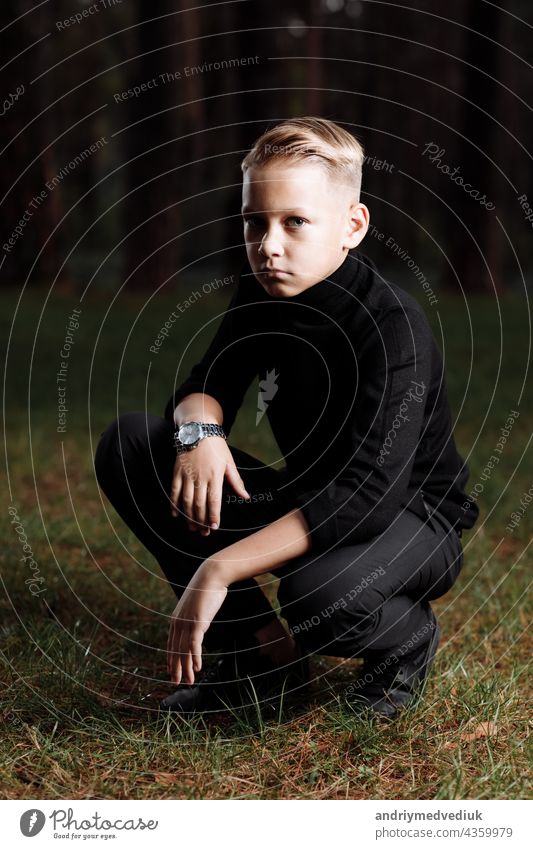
(267, 390)
(32, 822)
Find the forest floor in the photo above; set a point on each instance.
(83, 662)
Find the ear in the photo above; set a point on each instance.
(357, 222)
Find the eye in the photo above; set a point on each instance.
(296, 222)
(253, 221)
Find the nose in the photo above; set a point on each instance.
(271, 244)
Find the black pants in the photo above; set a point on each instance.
(354, 599)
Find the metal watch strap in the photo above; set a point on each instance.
(208, 429)
(211, 429)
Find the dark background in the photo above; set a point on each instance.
(131, 231)
(163, 191)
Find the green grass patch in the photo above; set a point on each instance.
(83, 664)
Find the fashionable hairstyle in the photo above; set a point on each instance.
(311, 140)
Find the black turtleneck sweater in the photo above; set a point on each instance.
(354, 390)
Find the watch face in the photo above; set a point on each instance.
(189, 433)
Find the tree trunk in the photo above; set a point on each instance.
(479, 267)
(150, 211)
(35, 219)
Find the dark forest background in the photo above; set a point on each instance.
(144, 209)
(162, 192)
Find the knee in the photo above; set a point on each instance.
(104, 451)
(331, 601)
(440, 585)
(320, 620)
(122, 440)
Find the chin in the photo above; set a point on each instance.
(276, 287)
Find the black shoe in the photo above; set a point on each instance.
(387, 684)
(235, 681)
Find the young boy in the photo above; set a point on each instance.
(362, 526)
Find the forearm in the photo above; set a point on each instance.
(198, 407)
(272, 546)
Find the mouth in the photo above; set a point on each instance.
(273, 273)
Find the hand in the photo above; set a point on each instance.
(192, 616)
(197, 481)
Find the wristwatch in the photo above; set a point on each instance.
(189, 434)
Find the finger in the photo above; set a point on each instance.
(193, 659)
(188, 671)
(172, 658)
(236, 481)
(182, 655)
(176, 676)
(170, 651)
(205, 529)
(187, 500)
(214, 504)
(196, 652)
(169, 646)
(175, 668)
(175, 494)
(200, 498)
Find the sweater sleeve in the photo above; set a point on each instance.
(384, 433)
(227, 368)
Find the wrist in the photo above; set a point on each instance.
(185, 419)
(218, 570)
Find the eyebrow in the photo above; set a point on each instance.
(295, 211)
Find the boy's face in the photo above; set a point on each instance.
(299, 224)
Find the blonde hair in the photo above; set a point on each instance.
(314, 140)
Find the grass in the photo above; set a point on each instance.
(83, 663)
